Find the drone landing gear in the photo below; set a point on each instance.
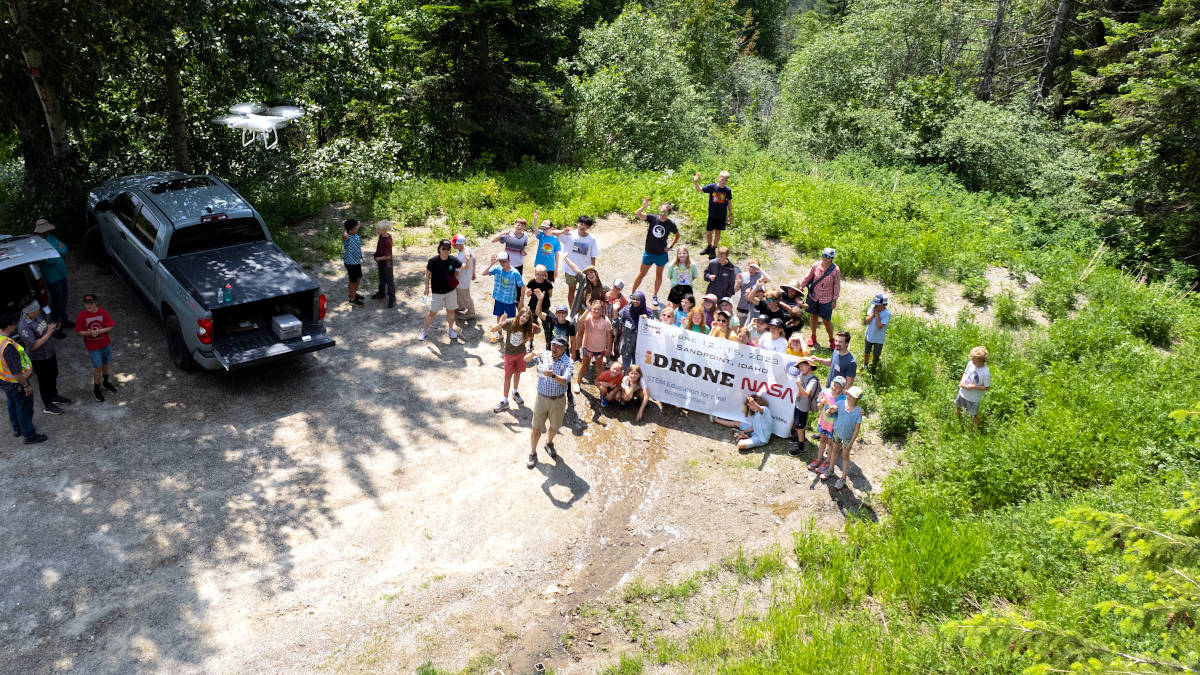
(269, 138)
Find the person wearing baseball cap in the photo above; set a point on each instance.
(466, 275)
(54, 275)
(828, 402)
(877, 321)
(615, 301)
(554, 369)
(548, 246)
(824, 284)
(846, 429)
(508, 288)
(561, 327)
(774, 341)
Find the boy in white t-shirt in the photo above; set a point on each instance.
(975, 380)
(581, 248)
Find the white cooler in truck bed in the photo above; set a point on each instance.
(286, 326)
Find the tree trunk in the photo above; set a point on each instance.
(176, 119)
(56, 121)
(1045, 80)
(984, 93)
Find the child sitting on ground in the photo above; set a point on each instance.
(755, 431)
(609, 380)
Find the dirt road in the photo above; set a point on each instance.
(360, 509)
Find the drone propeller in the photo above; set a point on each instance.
(287, 112)
(229, 120)
(247, 108)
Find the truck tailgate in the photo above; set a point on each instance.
(249, 350)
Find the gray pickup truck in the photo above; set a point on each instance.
(202, 258)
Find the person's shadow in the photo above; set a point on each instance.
(559, 473)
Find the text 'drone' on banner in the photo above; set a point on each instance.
(710, 375)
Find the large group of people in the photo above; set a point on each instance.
(594, 332)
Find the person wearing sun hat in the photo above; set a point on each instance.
(792, 294)
(54, 274)
(824, 284)
(807, 400)
(846, 429)
(877, 321)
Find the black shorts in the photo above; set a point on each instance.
(875, 348)
(799, 418)
(679, 293)
(355, 272)
(821, 309)
(715, 225)
(520, 268)
(550, 274)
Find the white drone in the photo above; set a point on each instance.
(260, 123)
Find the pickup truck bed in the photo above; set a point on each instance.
(258, 270)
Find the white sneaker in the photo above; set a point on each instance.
(501, 406)
(421, 335)
(575, 386)
(453, 334)
(516, 396)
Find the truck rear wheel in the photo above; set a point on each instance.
(177, 348)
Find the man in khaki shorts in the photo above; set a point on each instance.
(466, 274)
(554, 371)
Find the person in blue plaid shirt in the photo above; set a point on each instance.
(352, 258)
(554, 369)
(508, 290)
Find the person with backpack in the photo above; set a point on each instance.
(807, 400)
(824, 285)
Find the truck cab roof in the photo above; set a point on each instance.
(182, 199)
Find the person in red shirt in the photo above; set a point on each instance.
(94, 324)
(608, 381)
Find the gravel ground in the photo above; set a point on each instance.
(361, 509)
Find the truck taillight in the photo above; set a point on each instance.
(321, 307)
(204, 331)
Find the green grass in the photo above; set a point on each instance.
(887, 224)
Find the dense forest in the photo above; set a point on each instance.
(1087, 109)
(1059, 138)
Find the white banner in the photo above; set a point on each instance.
(690, 370)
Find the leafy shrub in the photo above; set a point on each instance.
(998, 148)
(1055, 297)
(898, 415)
(635, 104)
(1148, 312)
(1009, 310)
(923, 296)
(975, 290)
